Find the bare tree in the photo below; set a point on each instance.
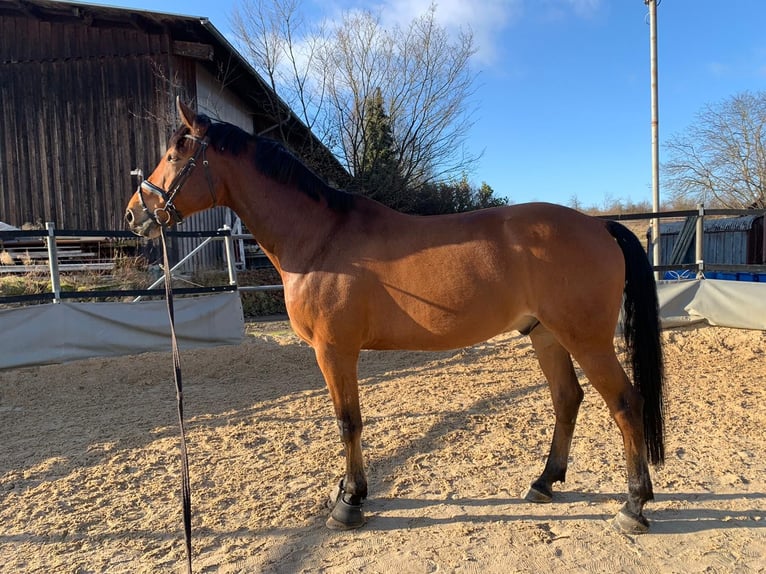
(328, 75)
(721, 158)
(282, 47)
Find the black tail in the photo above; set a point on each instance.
(641, 330)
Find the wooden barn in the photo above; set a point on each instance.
(87, 95)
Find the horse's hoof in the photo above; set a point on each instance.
(631, 523)
(345, 516)
(538, 496)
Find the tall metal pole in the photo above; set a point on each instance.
(655, 134)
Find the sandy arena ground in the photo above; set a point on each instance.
(89, 466)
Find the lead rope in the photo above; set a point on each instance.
(185, 485)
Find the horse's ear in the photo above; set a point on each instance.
(197, 124)
(187, 115)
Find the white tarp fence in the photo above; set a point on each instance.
(60, 332)
(724, 303)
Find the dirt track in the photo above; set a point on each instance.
(89, 464)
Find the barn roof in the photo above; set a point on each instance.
(197, 38)
(92, 14)
(713, 225)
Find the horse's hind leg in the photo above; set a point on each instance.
(340, 373)
(567, 395)
(626, 407)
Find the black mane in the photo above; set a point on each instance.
(273, 160)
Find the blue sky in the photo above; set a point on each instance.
(563, 98)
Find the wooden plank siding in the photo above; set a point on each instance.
(87, 94)
(79, 111)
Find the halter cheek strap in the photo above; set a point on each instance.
(171, 214)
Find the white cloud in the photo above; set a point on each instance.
(485, 18)
(489, 20)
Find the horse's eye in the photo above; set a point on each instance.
(172, 158)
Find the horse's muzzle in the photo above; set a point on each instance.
(140, 224)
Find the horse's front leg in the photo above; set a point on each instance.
(340, 372)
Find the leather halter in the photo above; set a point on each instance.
(173, 216)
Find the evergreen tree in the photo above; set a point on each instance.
(379, 175)
(454, 197)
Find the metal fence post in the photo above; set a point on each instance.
(228, 242)
(698, 244)
(53, 262)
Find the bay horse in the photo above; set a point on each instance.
(358, 275)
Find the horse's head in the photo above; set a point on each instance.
(180, 185)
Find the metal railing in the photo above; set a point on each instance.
(50, 234)
(700, 266)
(49, 237)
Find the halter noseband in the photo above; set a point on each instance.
(173, 215)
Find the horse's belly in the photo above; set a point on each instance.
(432, 325)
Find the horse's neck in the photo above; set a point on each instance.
(289, 226)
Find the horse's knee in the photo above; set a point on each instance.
(348, 429)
